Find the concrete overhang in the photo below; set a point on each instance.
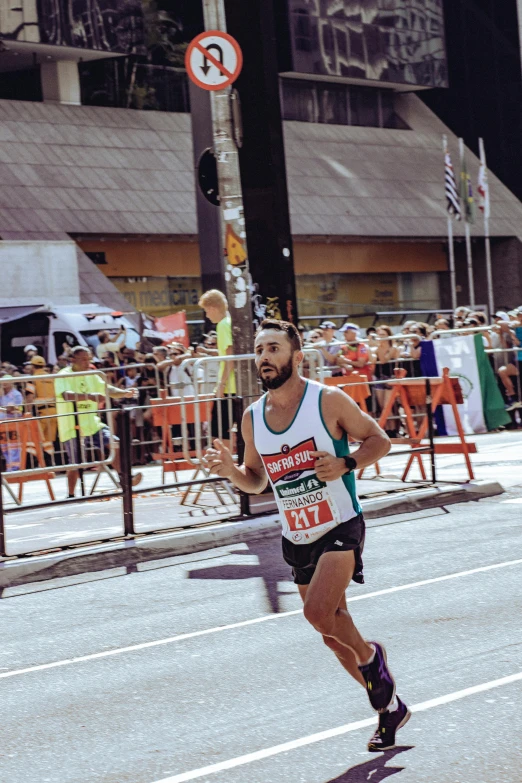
(395, 86)
(19, 55)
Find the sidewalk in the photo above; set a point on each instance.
(193, 529)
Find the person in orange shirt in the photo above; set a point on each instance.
(355, 355)
(45, 400)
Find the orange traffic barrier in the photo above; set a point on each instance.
(411, 392)
(167, 412)
(25, 434)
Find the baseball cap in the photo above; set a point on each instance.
(37, 360)
(345, 327)
(6, 378)
(502, 315)
(30, 348)
(327, 325)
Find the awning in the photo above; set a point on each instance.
(18, 311)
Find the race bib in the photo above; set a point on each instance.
(303, 499)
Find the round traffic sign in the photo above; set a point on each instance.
(213, 60)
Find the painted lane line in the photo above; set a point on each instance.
(245, 623)
(145, 645)
(259, 755)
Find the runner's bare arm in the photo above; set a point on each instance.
(342, 414)
(251, 475)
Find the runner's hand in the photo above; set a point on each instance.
(219, 460)
(328, 467)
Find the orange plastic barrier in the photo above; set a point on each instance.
(168, 411)
(445, 391)
(26, 434)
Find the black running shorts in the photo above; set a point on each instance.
(304, 558)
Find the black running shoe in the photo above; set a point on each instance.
(389, 724)
(380, 684)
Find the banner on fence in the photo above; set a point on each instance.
(173, 328)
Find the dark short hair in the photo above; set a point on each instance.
(283, 326)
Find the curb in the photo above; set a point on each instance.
(159, 546)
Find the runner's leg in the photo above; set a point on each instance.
(322, 609)
(322, 605)
(344, 654)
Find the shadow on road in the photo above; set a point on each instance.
(374, 770)
(270, 567)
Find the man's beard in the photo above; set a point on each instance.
(281, 376)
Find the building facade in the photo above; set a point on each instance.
(96, 145)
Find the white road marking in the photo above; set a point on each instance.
(245, 623)
(259, 755)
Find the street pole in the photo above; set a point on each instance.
(469, 254)
(451, 246)
(453, 278)
(237, 274)
(486, 209)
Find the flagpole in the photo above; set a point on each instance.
(471, 282)
(453, 277)
(451, 246)
(486, 210)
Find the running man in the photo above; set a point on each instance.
(296, 436)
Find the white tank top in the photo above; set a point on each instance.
(309, 507)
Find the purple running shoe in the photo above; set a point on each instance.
(380, 684)
(389, 724)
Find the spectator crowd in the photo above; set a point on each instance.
(136, 375)
(375, 353)
(133, 377)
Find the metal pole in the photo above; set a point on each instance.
(237, 274)
(471, 282)
(453, 276)
(79, 445)
(126, 473)
(451, 247)
(244, 499)
(2, 527)
(486, 210)
(431, 433)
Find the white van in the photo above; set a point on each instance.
(48, 327)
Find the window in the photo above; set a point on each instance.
(333, 104)
(339, 104)
(97, 258)
(62, 341)
(91, 337)
(365, 107)
(387, 109)
(299, 101)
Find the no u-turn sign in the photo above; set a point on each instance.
(213, 60)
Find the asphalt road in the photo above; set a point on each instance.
(263, 701)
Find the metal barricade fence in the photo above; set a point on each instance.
(199, 417)
(28, 422)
